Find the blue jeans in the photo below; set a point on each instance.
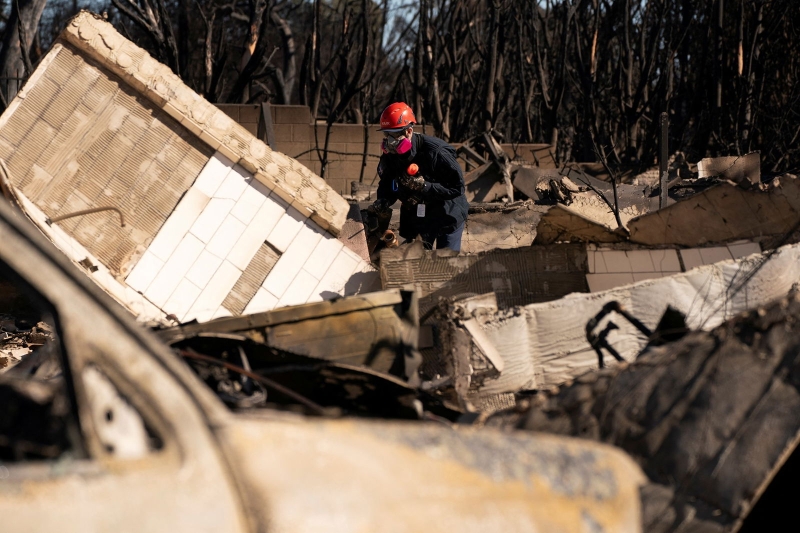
(450, 240)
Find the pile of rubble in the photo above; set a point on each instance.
(18, 338)
(577, 307)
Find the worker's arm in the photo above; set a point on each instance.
(450, 180)
(387, 196)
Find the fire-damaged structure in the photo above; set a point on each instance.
(305, 371)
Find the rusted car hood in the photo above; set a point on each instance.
(311, 475)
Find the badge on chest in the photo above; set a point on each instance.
(420, 210)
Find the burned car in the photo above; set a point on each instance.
(123, 435)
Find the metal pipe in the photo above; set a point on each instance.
(88, 212)
(390, 238)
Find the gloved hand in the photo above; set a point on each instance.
(414, 183)
(411, 179)
(379, 206)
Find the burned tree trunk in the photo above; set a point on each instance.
(22, 23)
(154, 19)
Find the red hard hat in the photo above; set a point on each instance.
(397, 116)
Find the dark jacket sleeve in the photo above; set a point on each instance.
(385, 178)
(449, 177)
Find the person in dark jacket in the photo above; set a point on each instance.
(422, 172)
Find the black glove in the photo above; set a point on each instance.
(414, 183)
(379, 206)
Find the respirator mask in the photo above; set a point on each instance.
(395, 145)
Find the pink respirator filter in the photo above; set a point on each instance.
(402, 147)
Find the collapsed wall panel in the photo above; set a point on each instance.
(545, 344)
(188, 196)
(376, 330)
(564, 224)
(728, 213)
(68, 153)
(491, 227)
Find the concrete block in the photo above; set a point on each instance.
(203, 269)
(182, 299)
(357, 148)
(744, 249)
(252, 128)
(299, 291)
(234, 184)
(212, 175)
(211, 218)
(261, 302)
(345, 133)
(322, 257)
(292, 114)
(249, 203)
(313, 165)
(284, 133)
(616, 261)
(177, 225)
(214, 293)
(335, 150)
(603, 282)
(334, 281)
(256, 233)
(665, 260)
(714, 254)
(249, 113)
(286, 229)
(226, 236)
(174, 270)
(292, 261)
(350, 169)
(691, 258)
(144, 272)
(640, 261)
(304, 134)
